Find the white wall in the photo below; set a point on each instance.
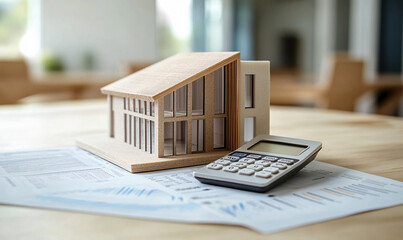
(114, 31)
(325, 35)
(364, 34)
(363, 43)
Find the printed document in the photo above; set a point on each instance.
(73, 179)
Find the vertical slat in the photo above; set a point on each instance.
(174, 124)
(111, 117)
(149, 136)
(159, 127)
(230, 108)
(233, 105)
(141, 126)
(227, 104)
(134, 131)
(129, 123)
(152, 138)
(237, 80)
(209, 106)
(174, 138)
(146, 131)
(138, 132)
(125, 126)
(236, 112)
(189, 121)
(235, 116)
(233, 110)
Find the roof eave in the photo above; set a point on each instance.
(126, 95)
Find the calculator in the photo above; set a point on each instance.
(260, 164)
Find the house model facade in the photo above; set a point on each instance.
(186, 110)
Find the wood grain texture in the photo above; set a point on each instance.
(233, 106)
(16, 84)
(13, 90)
(368, 143)
(159, 127)
(172, 73)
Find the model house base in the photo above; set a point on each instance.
(135, 160)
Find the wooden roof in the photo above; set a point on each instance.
(165, 76)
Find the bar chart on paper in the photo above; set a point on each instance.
(317, 193)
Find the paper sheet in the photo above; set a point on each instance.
(73, 179)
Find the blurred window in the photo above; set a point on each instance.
(195, 25)
(13, 24)
(174, 24)
(214, 25)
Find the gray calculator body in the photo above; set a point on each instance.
(260, 164)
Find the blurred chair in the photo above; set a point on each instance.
(16, 69)
(393, 85)
(340, 91)
(16, 84)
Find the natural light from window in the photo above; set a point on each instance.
(13, 25)
(174, 19)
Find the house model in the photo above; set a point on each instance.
(188, 109)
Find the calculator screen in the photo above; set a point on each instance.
(278, 148)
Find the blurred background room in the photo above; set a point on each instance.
(335, 54)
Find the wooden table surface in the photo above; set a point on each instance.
(368, 143)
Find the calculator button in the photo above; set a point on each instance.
(238, 154)
(246, 171)
(214, 166)
(255, 167)
(282, 166)
(231, 169)
(272, 170)
(230, 158)
(247, 160)
(254, 156)
(263, 174)
(223, 162)
(239, 164)
(264, 163)
(271, 159)
(286, 161)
